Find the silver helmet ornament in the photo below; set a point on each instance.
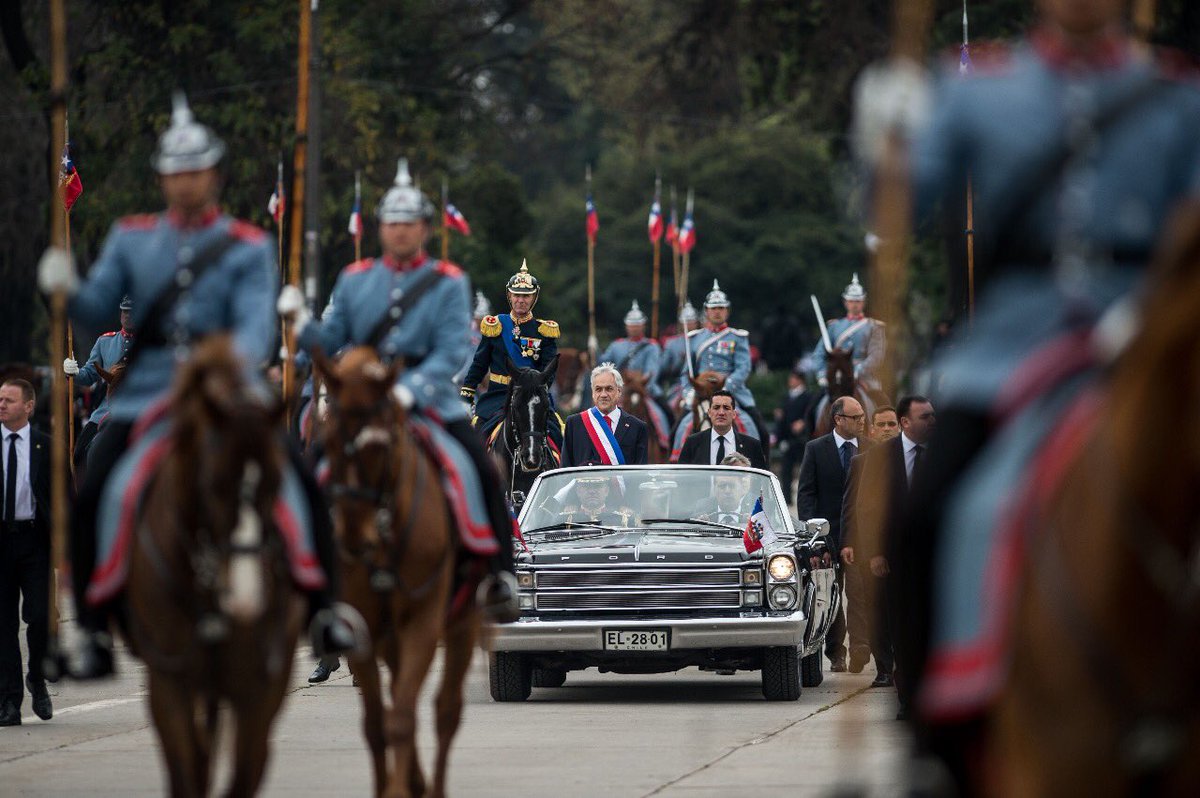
(403, 202)
(855, 292)
(126, 303)
(716, 297)
(635, 315)
(688, 313)
(482, 306)
(186, 145)
(523, 282)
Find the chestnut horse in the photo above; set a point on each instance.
(839, 378)
(399, 550)
(1102, 697)
(573, 365)
(210, 604)
(635, 400)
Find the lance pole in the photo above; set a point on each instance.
(687, 253)
(593, 344)
(66, 321)
(970, 200)
(680, 294)
(58, 313)
(445, 227)
(299, 168)
(358, 206)
(657, 262)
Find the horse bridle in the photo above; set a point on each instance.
(512, 439)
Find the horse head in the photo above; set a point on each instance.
(839, 372)
(528, 408)
(706, 383)
(112, 378)
(633, 395)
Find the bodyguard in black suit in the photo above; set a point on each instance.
(792, 429)
(708, 448)
(823, 473)
(631, 433)
(24, 551)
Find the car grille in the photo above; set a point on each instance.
(602, 590)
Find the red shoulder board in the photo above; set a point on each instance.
(141, 221)
(359, 266)
(109, 334)
(449, 269)
(244, 231)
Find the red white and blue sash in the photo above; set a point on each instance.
(604, 441)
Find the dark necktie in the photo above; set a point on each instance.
(918, 450)
(720, 450)
(848, 451)
(10, 480)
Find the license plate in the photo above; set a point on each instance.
(640, 640)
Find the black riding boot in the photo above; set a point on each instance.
(501, 589)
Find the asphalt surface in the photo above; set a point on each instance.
(682, 734)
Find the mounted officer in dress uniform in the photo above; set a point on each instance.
(726, 350)
(225, 273)
(636, 352)
(865, 338)
(109, 355)
(518, 337)
(674, 358)
(430, 331)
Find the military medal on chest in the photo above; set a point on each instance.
(530, 347)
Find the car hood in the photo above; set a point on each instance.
(643, 546)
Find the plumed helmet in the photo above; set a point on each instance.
(523, 282)
(635, 315)
(855, 291)
(688, 313)
(126, 302)
(482, 306)
(187, 145)
(403, 202)
(716, 297)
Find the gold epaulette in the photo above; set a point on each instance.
(490, 326)
(548, 329)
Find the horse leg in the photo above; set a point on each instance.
(206, 739)
(458, 649)
(367, 671)
(173, 709)
(419, 636)
(252, 739)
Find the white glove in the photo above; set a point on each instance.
(56, 272)
(894, 96)
(70, 367)
(404, 396)
(291, 306)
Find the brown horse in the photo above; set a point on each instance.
(573, 364)
(399, 550)
(1102, 696)
(839, 378)
(210, 604)
(635, 400)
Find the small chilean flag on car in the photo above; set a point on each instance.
(454, 220)
(758, 530)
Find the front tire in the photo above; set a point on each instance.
(509, 676)
(549, 677)
(812, 671)
(781, 674)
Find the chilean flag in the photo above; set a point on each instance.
(355, 226)
(453, 219)
(654, 224)
(593, 221)
(70, 180)
(278, 203)
(687, 234)
(673, 228)
(758, 532)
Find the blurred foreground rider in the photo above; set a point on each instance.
(109, 352)
(226, 273)
(430, 333)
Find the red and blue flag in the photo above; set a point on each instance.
(654, 225)
(68, 177)
(673, 228)
(687, 234)
(277, 205)
(454, 220)
(593, 220)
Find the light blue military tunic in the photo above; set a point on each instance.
(141, 256)
(641, 355)
(865, 338)
(106, 353)
(725, 351)
(432, 336)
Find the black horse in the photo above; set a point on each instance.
(522, 440)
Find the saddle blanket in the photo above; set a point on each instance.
(741, 422)
(985, 538)
(460, 480)
(660, 423)
(120, 509)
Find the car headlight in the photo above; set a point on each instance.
(752, 576)
(525, 601)
(782, 567)
(751, 598)
(782, 597)
(525, 579)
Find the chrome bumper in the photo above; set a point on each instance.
(694, 633)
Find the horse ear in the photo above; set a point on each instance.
(327, 369)
(549, 371)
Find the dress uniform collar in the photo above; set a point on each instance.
(855, 316)
(1108, 51)
(206, 219)
(513, 316)
(716, 327)
(405, 265)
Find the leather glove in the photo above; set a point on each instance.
(56, 272)
(70, 367)
(891, 97)
(466, 394)
(291, 307)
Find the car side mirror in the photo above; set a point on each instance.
(818, 528)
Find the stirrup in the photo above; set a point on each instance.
(94, 657)
(497, 596)
(338, 630)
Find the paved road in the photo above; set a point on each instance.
(686, 734)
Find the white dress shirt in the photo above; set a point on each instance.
(24, 486)
(910, 455)
(840, 441)
(714, 442)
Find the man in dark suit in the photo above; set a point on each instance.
(819, 493)
(24, 552)
(875, 500)
(791, 427)
(586, 442)
(712, 446)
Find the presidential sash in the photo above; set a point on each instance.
(604, 440)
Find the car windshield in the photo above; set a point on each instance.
(596, 500)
